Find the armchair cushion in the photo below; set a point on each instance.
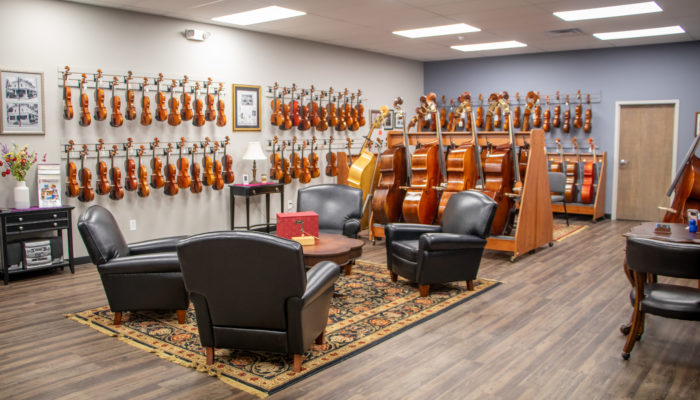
(398, 232)
(320, 278)
(351, 227)
(161, 245)
(450, 241)
(406, 249)
(141, 264)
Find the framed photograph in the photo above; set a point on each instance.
(246, 108)
(399, 120)
(373, 115)
(389, 121)
(697, 123)
(22, 102)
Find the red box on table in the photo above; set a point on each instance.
(290, 225)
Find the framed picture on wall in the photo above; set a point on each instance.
(399, 120)
(373, 114)
(697, 123)
(22, 102)
(389, 121)
(246, 108)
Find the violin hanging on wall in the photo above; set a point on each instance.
(221, 116)
(117, 190)
(100, 109)
(130, 113)
(143, 190)
(275, 105)
(305, 173)
(286, 178)
(85, 118)
(171, 188)
(199, 118)
(130, 181)
(227, 162)
(516, 111)
(146, 117)
(589, 115)
(275, 162)
(294, 161)
(184, 180)
(67, 104)
(72, 186)
(537, 116)
(186, 113)
(558, 166)
(480, 112)
(218, 178)
(207, 164)
(87, 193)
(102, 185)
(556, 121)
(210, 115)
(360, 109)
(161, 111)
(331, 160)
(195, 170)
(117, 119)
(566, 126)
(578, 122)
(157, 178)
(546, 124)
(313, 159)
(174, 118)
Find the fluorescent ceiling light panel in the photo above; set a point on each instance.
(637, 33)
(265, 14)
(608, 12)
(437, 31)
(489, 46)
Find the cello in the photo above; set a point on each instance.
(184, 180)
(130, 98)
(546, 124)
(558, 166)
(102, 184)
(72, 186)
(85, 118)
(198, 118)
(117, 119)
(161, 111)
(100, 109)
(130, 182)
(275, 162)
(208, 165)
(578, 122)
(427, 167)
(221, 106)
(587, 123)
(218, 178)
(570, 190)
(566, 126)
(331, 160)
(143, 190)
(556, 121)
(195, 170)
(462, 163)
(210, 115)
(171, 187)
(388, 196)
(157, 178)
(587, 188)
(146, 117)
(174, 118)
(186, 112)
(117, 190)
(227, 162)
(87, 193)
(686, 186)
(67, 104)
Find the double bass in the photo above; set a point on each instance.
(589, 172)
(117, 190)
(130, 181)
(171, 187)
(146, 117)
(72, 186)
(130, 113)
(143, 190)
(161, 111)
(570, 189)
(100, 109)
(186, 113)
(184, 180)
(117, 119)
(102, 184)
(427, 171)
(227, 162)
(388, 196)
(85, 118)
(195, 170)
(87, 193)
(686, 186)
(67, 105)
(157, 178)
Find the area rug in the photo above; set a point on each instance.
(367, 309)
(561, 231)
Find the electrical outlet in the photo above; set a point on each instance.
(132, 224)
(290, 204)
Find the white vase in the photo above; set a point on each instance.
(21, 195)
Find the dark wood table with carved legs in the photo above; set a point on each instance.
(340, 249)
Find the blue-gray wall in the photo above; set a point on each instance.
(655, 72)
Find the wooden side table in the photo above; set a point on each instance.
(249, 191)
(333, 247)
(17, 224)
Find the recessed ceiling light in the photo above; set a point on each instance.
(265, 14)
(607, 12)
(666, 30)
(489, 46)
(437, 31)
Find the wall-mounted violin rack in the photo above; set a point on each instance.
(294, 93)
(160, 147)
(136, 82)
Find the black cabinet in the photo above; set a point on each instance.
(23, 226)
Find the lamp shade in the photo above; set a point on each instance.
(254, 152)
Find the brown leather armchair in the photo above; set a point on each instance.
(449, 252)
(251, 291)
(138, 276)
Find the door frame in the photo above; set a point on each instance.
(616, 157)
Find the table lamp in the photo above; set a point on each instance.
(254, 152)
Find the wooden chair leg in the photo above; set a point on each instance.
(394, 276)
(117, 318)
(424, 290)
(210, 355)
(637, 316)
(181, 316)
(348, 268)
(298, 358)
(319, 338)
(470, 285)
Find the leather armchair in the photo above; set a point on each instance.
(648, 257)
(339, 207)
(139, 276)
(251, 291)
(452, 251)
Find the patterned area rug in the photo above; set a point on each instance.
(561, 231)
(366, 310)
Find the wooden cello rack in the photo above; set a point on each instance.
(535, 224)
(596, 209)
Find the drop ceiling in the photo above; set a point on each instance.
(367, 24)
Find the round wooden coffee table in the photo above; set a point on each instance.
(340, 249)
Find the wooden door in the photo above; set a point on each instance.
(645, 157)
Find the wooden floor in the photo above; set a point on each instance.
(549, 332)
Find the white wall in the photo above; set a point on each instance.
(45, 35)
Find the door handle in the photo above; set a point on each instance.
(624, 162)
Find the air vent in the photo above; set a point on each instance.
(565, 32)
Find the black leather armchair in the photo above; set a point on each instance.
(452, 251)
(140, 276)
(647, 257)
(250, 291)
(339, 207)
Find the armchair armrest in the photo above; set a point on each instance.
(351, 227)
(450, 241)
(395, 232)
(139, 264)
(155, 245)
(321, 276)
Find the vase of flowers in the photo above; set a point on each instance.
(17, 162)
